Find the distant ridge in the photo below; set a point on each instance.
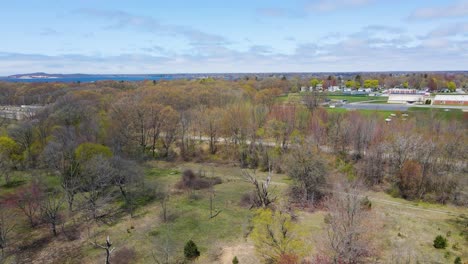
(79, 77)
(46, 75)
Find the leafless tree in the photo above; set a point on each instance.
(312, 100)
(7, 225)
(211, 126)
(213, 212)
(107, 247)
(128, 177)
(164, 248)
(6, 167)
(337, 132)
(186, 119)
(309, 171)
(347, 222)
(24, 136)
(155, 122)
(96, 177)
(402, 148)
(59, 155)
(372, 166)
(262, 193)
(29, 202)
(170, 128)
(50, 210)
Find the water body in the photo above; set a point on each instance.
(385, 107)
(95, 78)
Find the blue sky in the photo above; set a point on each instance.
(152, 36)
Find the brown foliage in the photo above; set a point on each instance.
(193, 181)
(288, 259)
(410, 177)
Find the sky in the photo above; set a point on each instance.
(153, 36)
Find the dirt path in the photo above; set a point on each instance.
(245, 253)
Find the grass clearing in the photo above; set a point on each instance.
(408, 227)
(408, 232)
(439, 113)
(356, 98)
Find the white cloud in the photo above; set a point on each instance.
(449, 30)
(120, 19)
(457, 9)
(332, 5)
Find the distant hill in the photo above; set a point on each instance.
(43, 75)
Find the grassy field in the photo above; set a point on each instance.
(414, 112)
(357, 98)
(296, 97)
(439, 113)
(406, 229)
(365, 112)
(189, 214)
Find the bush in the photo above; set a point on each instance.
(366, 204)
(457, 261)
(235, 260)
(191, 250)
(288, 259)
(193, 181)
(440, 242)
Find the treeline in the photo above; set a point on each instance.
(419, 156)
(45, 93)
(95, 138)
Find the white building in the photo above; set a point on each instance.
(451, 99)
(406, 98)
(334, 89)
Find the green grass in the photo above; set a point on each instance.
(357, 98)
(404, 228)
(189, 212)
(365, 112)
(296, 97)
(438, 113)
(408, 231)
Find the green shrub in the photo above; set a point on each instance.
(235, 260)
(440, 242)
(366, 203)
(191, 250)
(457, 261)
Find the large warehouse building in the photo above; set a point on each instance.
(450, 99)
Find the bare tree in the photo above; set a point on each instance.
(211, 126)
(6, 167)
(169, 127)
(372, 166)
(312, 100)
(24, 135)
(309, 171)
(402, 148)
(165, 248)
(59, 155)
(156, 122)
(96, 178)
(107, 247)
(7, 225)
(213, 212)
(29, 201)
(262, 193)
(349, 239)
(50, 210)
(128, 177)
